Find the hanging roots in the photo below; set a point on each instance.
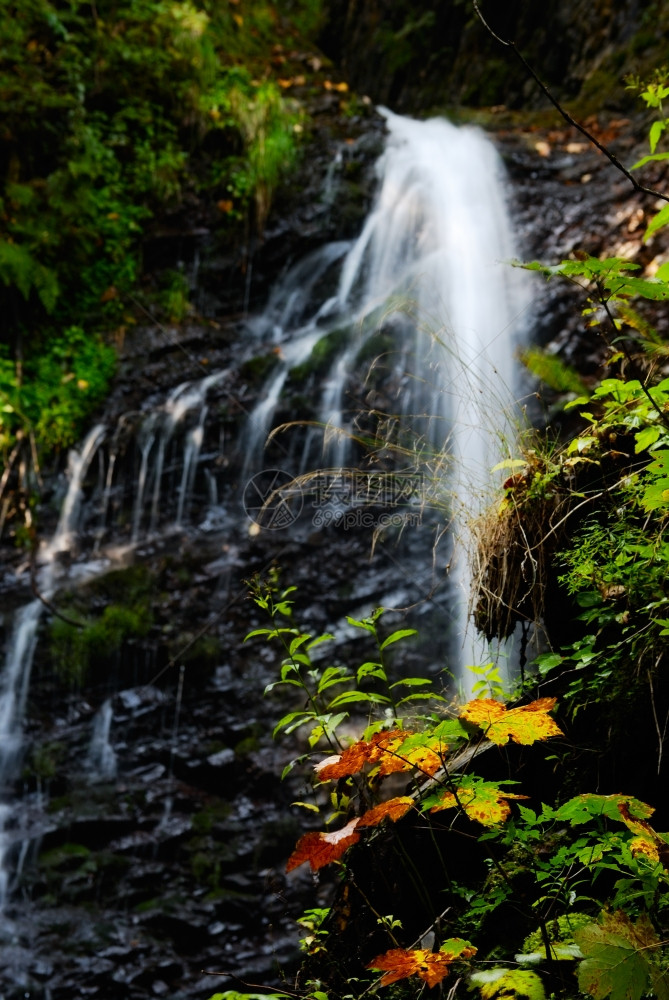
(513, 546)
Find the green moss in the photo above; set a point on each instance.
(256, 369)
(205, 820)
(45, 760)
(66, 856)
(321, 358)
(246, 746)
(98, 640)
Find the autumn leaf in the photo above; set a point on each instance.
(526, 724)
(416, 751)
(619, 958)
(430, 966)
(353, 759)
(646, 842)
(507, 984)
(483, 801)
(582, 808)
(321, 849)
(393, 809)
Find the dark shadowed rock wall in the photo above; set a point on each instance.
(417, 56)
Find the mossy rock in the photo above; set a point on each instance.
(209, 816)
(256, 369)
(98, 640)
(321, 358)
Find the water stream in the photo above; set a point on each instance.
(426, 296)
(420, 296)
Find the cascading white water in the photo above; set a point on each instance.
(430, 266)
(426, 267)
(15, 676)
(101, 758)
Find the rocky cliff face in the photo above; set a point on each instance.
(440, 54)
(161, 850)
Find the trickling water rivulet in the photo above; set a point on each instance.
(421, 296)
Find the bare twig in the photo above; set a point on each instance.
(611, 157)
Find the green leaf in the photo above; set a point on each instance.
(618, 957)
(656, 496)
(327, 725)
(659, 979)
(510, 463)
(292, 721)
(645, 438)
(423, 696)
(583, 808)
(529, 816)
(546, 662)
(412, 682)
(449, 731)
(298, 641)
(649, 159)
(319, 639)
(234, 995)
(655, 134)
(350, 697)
(656, 291)
(396, 636)
(259, 631)
(332, 676)
(370, 669)
(658, 221)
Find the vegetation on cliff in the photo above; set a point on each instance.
(565, 893)
(117, 114)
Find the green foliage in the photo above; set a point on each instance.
(552, 371)
(558, 864)
(74, 650)
(322, 706)
(503, 983)
(620, 959)
(112, 113)
(53, 394)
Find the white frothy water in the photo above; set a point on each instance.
(430, 265)
(15, 675)
(101, 758)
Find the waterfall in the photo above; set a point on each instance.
(419, 300)
(430, 272)
(15, 675)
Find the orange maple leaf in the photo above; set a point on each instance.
(354, 758)
(320, 849)
(394, 809)
(526, 724)
(430, 966)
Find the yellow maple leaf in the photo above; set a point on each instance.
(526, 724)
(646, 841)
(481, 801)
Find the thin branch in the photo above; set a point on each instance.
(46, 602)
(611, 157)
